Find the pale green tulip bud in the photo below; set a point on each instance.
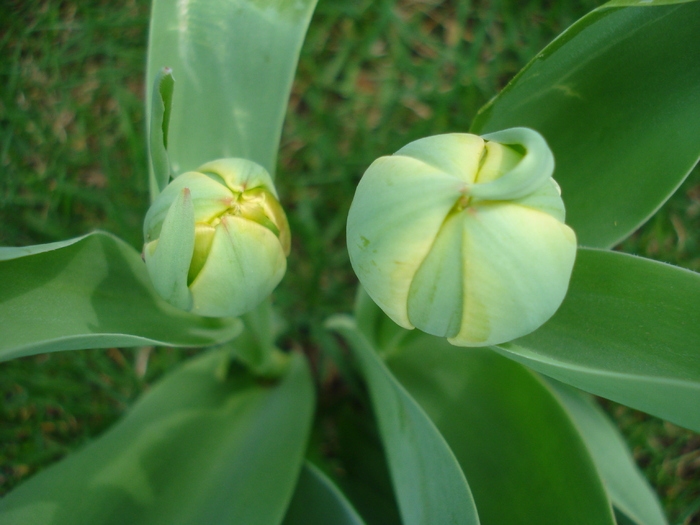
(217, 239)
(463, 236)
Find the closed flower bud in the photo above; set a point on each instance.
(217, 239)
(463, 236)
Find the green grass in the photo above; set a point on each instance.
(374, 74)
(71, 145)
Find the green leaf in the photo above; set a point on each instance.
(628, 488)
(161, 104)
(234, 61)
(628, 330)
(203, 446)
(525, 461)
(90, 292)
(317, 501)
(429, 485)
(616, 97)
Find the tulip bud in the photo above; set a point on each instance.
(463, 236)
(217, 239)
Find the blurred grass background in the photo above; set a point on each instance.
(374, 75)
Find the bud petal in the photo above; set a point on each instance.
(271, 208)
(435, 301)
(517, 265)
(398, 209)
(464, 238)
(217, 239)
(168, 258)
(245, 263)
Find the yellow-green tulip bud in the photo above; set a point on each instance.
(217, 239)
(463, 236)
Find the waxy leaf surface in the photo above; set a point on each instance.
(90, 292)
(233, 62)
(525, 461)
(628, 330)
(616, 97)
(626, 485)
(429, 484)
(209, 444)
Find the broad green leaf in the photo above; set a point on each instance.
(429, 485)
(627, 487)
(161, 105)
(90, 292)
(525, 461)
(234, 61)
(317, 501)
(628, 330)
(205, 445)
(616, 96)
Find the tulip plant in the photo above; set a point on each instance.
(491, 305)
